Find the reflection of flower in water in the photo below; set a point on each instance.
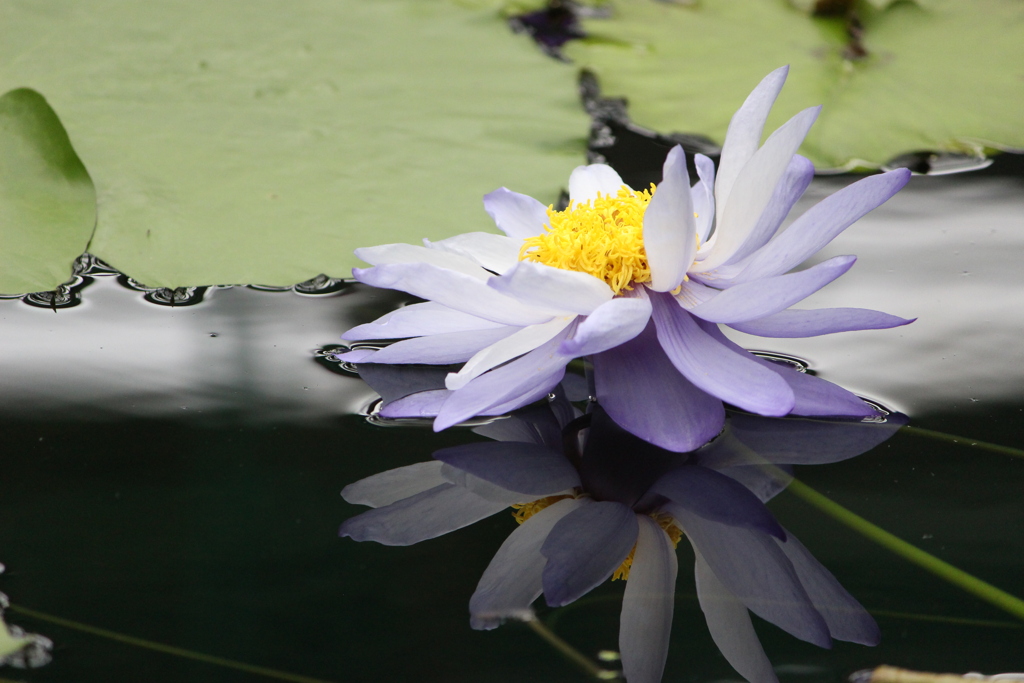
(594, 501)
(640, 281)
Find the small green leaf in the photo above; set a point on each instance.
(263, 142)
(47, 201)
(940, 75)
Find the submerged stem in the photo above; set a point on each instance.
(963, 441)
(166, 649)
(569, 652)
(940, 568)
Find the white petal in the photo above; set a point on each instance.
(523, 341)
(754, 187)
(512, 581)
(429, 514)
(496, 253)
(438, 349)
(730, 627)
(569, 291)
(410, 253)
(703, 194)
(454, 290)
(744, 134)
(670, 232)
(418, 320)
(482, 487)
(612, 323)
(517, 215)
(586, 182)
(387, 487)
(646, 620)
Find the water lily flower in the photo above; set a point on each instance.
(640, 281)
(595, 502)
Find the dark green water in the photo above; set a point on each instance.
(173, 474)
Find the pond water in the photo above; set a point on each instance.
(172, 474)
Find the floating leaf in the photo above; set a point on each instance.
(47, 201)
(940, 75)
(262, 143)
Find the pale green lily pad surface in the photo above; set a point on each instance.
(47, 201)
(261, 142)
(939, 76)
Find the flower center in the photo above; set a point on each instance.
(675, 534)
(602, 237)
(523, 511)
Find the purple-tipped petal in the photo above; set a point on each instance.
(585, 548)
(822, 223)
(586, 182)
(612, 323)
(429, 514)
(483, 488)
(512, 581)
(418, 320)
(420, 404)
(386, 254)
(550, 288)
(799, 441)
(703, 194)
(538, 389)
(439, 349)
(537, 371)
(754, 188)
(745, 129)
(846, 618)
(517, 215)
(647, 604)
(753, 568)
(454, 290)
(730, 626)
(505, 349)
(812, 323)
(669, 229)
(496, 253)
(735, 378)
(764, 481)
(521, 467)
(814, 397)
(791, 187)
(395, 381)
(537, 425)
(391, 486)
(693, 293)
(764, 297)
(716, 497)
(643, 392)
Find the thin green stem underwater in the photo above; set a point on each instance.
(944, 570)
(166, 649)
(963, 441)
(568, 651)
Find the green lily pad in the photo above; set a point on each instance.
(47, 201)
(941, 76)
(263, 142)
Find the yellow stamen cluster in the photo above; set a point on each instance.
(675, 534)
(523, 511)
(602, 237)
